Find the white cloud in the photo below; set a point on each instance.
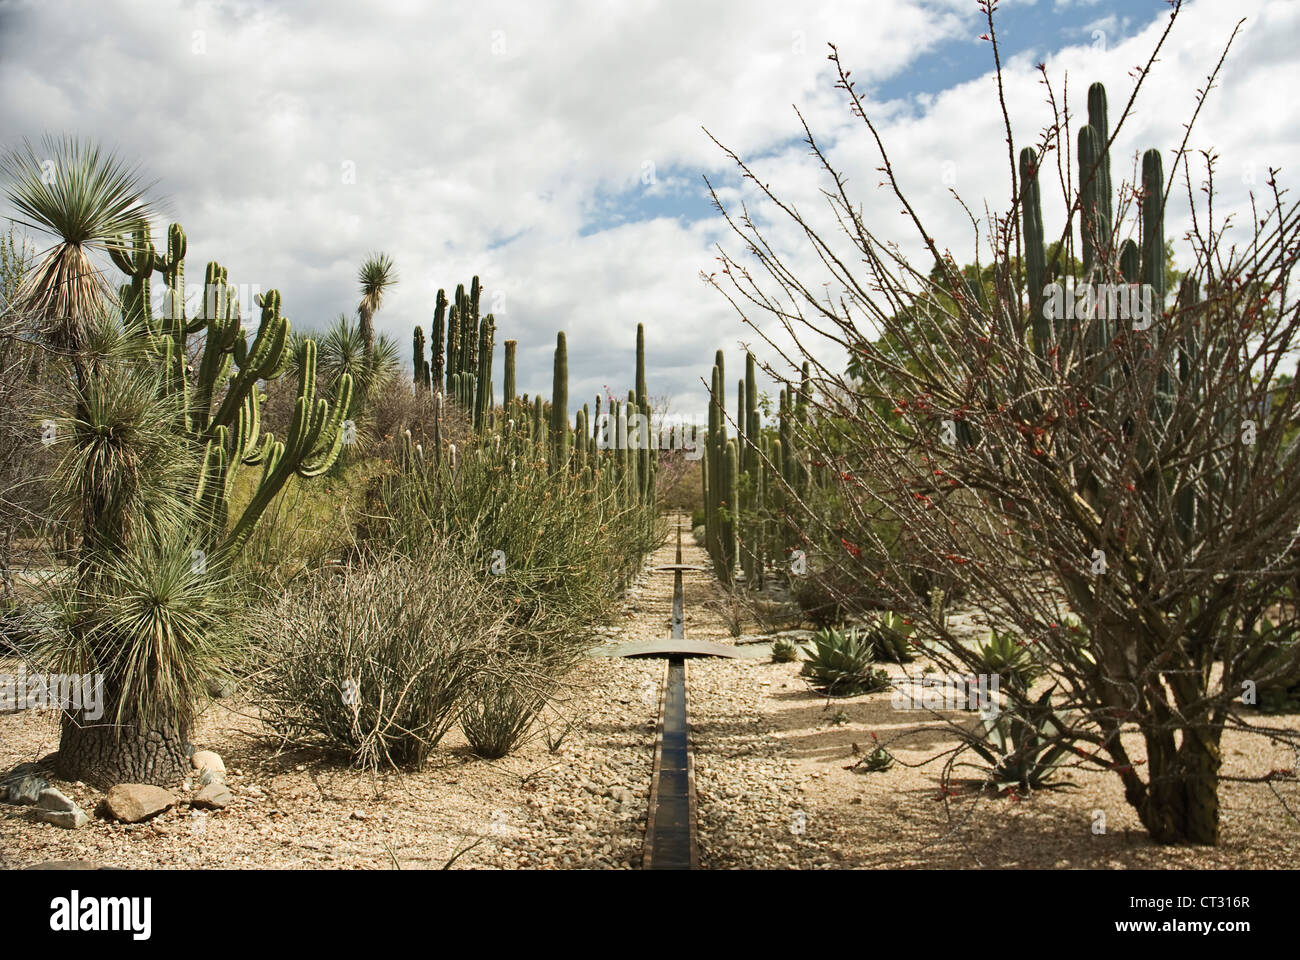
(486, 136)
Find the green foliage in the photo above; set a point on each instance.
(1010, 658)
(86, 198)
(784, 650)
(1023, 745)
(839, 664)
(153, 619)
(891, 637)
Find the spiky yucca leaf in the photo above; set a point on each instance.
(155, 619)
(127, 469)
(376, 276)
(85, 198)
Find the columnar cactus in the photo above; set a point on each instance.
(436, 356)
(453, 350)
(483, 380)
(560, 405)
(419, 365)
(509, 389)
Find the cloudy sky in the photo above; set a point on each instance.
(558, 150)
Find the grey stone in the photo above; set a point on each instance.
(208, 777)
(51, 799)
(25, 790)
(73, 819)
(215, 796)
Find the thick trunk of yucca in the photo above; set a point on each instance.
(104, 755)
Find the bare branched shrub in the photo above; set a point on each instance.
(1142, 473)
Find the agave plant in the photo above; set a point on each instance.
(1023, 745)
(376, 276)
(1279, 654)
(85, 198)
(784, 650)
(839, 664)
(1009, 658)
(891, 634)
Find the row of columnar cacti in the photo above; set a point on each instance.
(221, 401)
(460, 353)
(532, 427)
(754, 481)
(1131, 262)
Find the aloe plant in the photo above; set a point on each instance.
(840, 664)
(891, 634)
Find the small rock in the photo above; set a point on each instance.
(134, 802)
(207, 760)
(358, 815)
(215, 796)
(220, 689)
(73, 819)
(209, 777)
(25, 790)
(51, 799)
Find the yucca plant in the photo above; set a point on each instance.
(376, 276)
(839, 664)
(343, 350)
(125, 467)
(85, 198)
(156, 624)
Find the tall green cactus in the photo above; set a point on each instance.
(436, 355)
(509, 388)
(230, 436)
(418, 363)
(483, 379)
(453, 349)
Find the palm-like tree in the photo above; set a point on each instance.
(376, 275)
(85, 198)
